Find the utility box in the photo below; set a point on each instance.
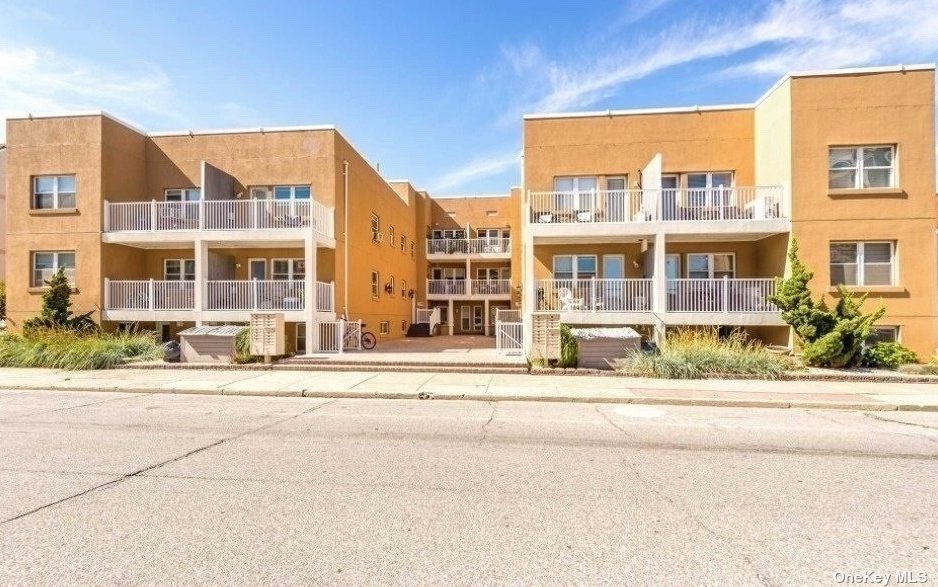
(267, 334)
(601, 347)
(209, 344)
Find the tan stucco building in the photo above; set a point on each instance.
(670, 217)
(653, 218)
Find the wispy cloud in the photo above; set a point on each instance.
(476, 169)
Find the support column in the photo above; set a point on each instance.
(528, 285)
(485, 318)
(452, 316)
(309, 287)
(659, 285)
(200, 295)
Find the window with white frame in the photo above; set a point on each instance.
(449, 273)
(574, 266)
(288, 269)
(617, 184)
(391, 241)
(384, 327)
(413, 249)
(291, 192)
(404, 244)
(46, 263)
(861, 167)
(575, 193)
(375, 227)
(711, 188)
(375, 285)
(179, 270)
(403, 288)
(711, 265)
(863, 263)
(54, 191)
(182, 194)
(884, 334)
(391, 284)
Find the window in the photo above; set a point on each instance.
(575, 193)
(53, 191)
(403, 288)
(46, 263)
(288, 269)
(862, 263)
(391, 285)
(884, 334)
(709, 189)
(711, 265)
(300, 337)
(413, 249)
(861, 167)
(404, 244)
(183, 195)
(291, 192)
(616, 184)
(384, 327)
(375, 285)
(403, 326)
(375, 227)
(574, 266)
(179, 270)
(391, 235)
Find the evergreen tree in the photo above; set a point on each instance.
(56, 309)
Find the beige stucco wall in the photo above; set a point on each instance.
(887, 108)
(3, 212)
(772, 141)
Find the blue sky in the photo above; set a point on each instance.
(433, 91)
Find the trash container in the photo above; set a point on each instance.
(600, 347)
(171, 352)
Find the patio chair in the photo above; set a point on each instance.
(568, 303)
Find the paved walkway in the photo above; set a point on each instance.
(432, 350)
(486, 387)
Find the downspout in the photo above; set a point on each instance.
(345, 245)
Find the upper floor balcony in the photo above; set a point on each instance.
(242, 218)
(468, 288)
(489, 248)
(635, 211)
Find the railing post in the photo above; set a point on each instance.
(107, 216)
(152, 214)
(201, 214)
(151, 287)
(107, 293)
(254, 293)
(253, 213)
(593, 294)
(726, 293)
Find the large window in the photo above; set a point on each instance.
(861, 167)
(46, 263)
(53, 191)
(709, 189)
(286, 269)
(375, 285)
(291, 192)
(711, 265)
(179, 270)
(183, 195)
(863, 263)
(574, 266)
(575, 193)
(375, 228)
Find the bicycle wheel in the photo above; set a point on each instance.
(368, 341)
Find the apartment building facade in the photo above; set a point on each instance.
(664, 218)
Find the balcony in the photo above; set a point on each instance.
(721, 295)
(594, 295)
(155, 299)
(466, 288)
(218, 215)
(466, 247)
(743, 209)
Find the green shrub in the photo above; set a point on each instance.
(243, 349)
(569, 349)
(888, 355)
(829, 338)
(56, 313)
(3, 300)
(64, 349)
(695, 354)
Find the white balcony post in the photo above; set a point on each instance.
(593, 294)
(107, 293)
(486, 316)
(200, 295)
(309, 303)
(253, 215)
(201, 214)
(254, 293)
(107, 216)
(151, 288)
(726, 293)
(659, 275)
(152, 214)
(452, 316)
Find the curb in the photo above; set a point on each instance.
(663, 400)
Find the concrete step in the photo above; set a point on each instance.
(326, 365)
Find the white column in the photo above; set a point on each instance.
(452, 316)
(201, 280)
(528, 283)
(486, 317)
(312, 325)
(660, 284)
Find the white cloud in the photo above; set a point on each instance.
(476, 169)
(42, 81)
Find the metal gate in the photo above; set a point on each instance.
(509, 338)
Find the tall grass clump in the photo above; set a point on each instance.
(697, 354)
(64, 349)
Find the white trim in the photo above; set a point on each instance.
(709, 264)
(182, 269)
(861, 263)
(468, 196)
(239, 131)
(291, 274)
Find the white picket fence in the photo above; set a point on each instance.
(338, 336)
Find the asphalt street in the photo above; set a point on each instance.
(105, 488)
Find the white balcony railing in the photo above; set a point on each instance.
(218, 215)
(325, 297)
(594, 295)
(463, 287)
(468, 246)
(669, 205)
(277, 294)
(150, 294)
(720, 295)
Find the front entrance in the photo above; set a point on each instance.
(471, 318)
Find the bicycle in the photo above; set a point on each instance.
(367, 339)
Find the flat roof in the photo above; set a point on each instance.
(720, 107)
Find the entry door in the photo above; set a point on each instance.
(465, 318)
(669, 185)
(258, 269)
(478, 316)
(672, 270)
(613, 266)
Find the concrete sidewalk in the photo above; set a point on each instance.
(486, 387)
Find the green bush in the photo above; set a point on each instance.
(56, 313)
(888, 355)
(829, 338)
(64, 349)
(569, 349)
(695, 354)
(3, 300)
(243, 349)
